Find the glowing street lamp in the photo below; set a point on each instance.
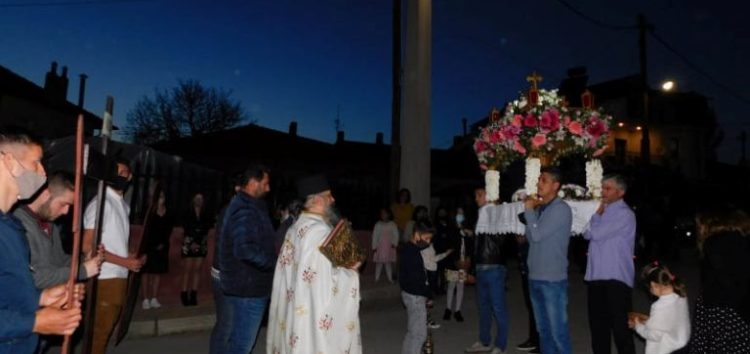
(668, 85)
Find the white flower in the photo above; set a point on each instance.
(492, 185)
(533, 170)
(594, 173)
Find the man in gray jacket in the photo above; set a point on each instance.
(49, 263)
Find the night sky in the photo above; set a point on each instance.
(313, 60)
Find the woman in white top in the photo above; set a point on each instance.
(384, 242)
(667, 328)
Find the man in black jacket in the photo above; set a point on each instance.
(491, 274)
(247, 259)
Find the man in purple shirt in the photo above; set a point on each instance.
(610, 270)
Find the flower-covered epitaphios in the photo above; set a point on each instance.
(548, 129)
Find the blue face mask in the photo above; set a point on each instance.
(459, 218)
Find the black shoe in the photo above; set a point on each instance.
(447, 315)
(193, 298)
(457, 315)
(184, 298)
(528, 346)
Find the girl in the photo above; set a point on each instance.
(194, 248)
(667, 328)
(157, 236)
(456, 267)
(384, 242)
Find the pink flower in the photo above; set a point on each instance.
(509, 132)
(575, 128)
(480, 146)
(566, 120)
(550, 120)
(539, 140)
(596, 127)
(519, 148)
(517, 120)
(530, 120)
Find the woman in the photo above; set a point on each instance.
(156, 235)
(722, 313)
(194, 248)
(402, 211)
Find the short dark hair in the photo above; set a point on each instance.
(423, 227)
(554, 172)
(402, 191)
(59, 182)
(14, 135)
(253, 171)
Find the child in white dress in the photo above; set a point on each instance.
(667, 327)
(384, 241)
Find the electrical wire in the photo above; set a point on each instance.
(596, 22)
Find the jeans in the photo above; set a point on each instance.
(220, 333)
(416, 329)
(491, 301)
(246, 316)
(550, 302)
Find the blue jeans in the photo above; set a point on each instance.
(491, 301)
(220, 333)
(550, 302)
(246, 315)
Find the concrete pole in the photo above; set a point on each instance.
(415, 121)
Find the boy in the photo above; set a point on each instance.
(415, 290)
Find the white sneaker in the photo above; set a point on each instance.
(496, 350)
(478, 347)
(155, 303)
(433, 325)
(146, 304)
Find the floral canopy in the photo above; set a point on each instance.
(541, 125)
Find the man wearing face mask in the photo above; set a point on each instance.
(314, 304)
(113, 278)
(25, 311)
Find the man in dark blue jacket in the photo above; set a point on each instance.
(247, 259)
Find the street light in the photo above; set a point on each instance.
(668, 85)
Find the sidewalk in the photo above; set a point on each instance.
(176, 319)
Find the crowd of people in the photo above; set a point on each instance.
(312, 300)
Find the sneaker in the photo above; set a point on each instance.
(477, 347)
(457, 315)
(155, 303)
(496, 350)
(535, 350)
(146, 304)
(447, 315)
(433, 325)
(527, 345)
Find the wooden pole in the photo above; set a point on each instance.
(75, 254)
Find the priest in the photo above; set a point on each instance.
(314, 304)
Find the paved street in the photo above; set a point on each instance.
(384, 322)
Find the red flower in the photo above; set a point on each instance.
(550, 120)
(530, 120)
(480, 146)
(596, 127)
(539, 140)
(517, 120)
(519, 148)
(575, 128)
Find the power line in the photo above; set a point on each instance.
(69, 3)
(697, 69)
(593, 20)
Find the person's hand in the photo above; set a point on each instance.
(57, 296)
(449, 251)
(134, 264)
(50, 320)
(429, 304)
(520, 239)
(532, 201)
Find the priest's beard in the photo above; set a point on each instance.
(332, 215)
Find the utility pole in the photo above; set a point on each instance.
(395, 168)
(644, 26)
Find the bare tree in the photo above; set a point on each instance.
(186, 110)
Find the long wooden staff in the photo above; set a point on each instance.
(75, 256)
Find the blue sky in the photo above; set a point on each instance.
(307, 60)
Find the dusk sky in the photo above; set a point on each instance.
(300, 60)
